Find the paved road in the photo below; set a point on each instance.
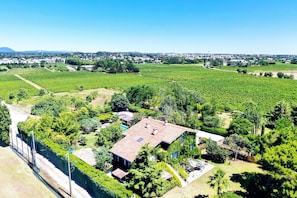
(57, 177)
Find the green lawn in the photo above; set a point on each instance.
(201, 187)
(91, 140)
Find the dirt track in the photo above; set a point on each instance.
(28, 81)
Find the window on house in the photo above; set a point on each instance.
(116, 158)
(191, 146)
(175, 154)
(126, 163)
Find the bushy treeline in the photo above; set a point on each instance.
(105, 65)
(178, 60)
(78, 61)
(176, 104)
(115, 66)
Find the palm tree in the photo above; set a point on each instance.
(218, 182)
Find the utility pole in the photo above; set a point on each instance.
(69, 171)
(17, 145)
(33, 150)
(11, 136)
(22, 141)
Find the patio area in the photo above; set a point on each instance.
(201, 168)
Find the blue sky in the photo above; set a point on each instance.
(197, 26)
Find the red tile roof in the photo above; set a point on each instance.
(146, 131)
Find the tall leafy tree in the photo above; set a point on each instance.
(67, 124)
(240, 126)
(208, 109)
(236, 143)
(280, 110)
(119, 102)
(22, 94)
(110, 135)
(216, 153)
(145, 178)
(140, 94)
(5, 122)
(253, 114)
(281, 159)
(103, 157)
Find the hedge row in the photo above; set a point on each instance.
(218, 131)
(90, 178)
(96, 182)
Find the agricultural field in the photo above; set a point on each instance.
(228, 89)
(11, 84)
(274, 67)
(22, 71)
(68, 81)
(233, 90)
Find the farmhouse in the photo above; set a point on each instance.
(147, 131)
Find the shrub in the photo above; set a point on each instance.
(182, 172)
(22, 94)
(3, 69)
(104, 117)
(218, 131)
(79, 87)
(41, 92)
(49, 106)
(89, 98)
(11, 96)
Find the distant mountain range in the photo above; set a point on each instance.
(6, 50)
(9, 50)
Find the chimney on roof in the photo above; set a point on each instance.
(155, 131)
(147, 125)
(165, 123)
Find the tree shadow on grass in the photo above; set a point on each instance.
(201, 196)
(256, 184)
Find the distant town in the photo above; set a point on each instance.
(39, 58)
